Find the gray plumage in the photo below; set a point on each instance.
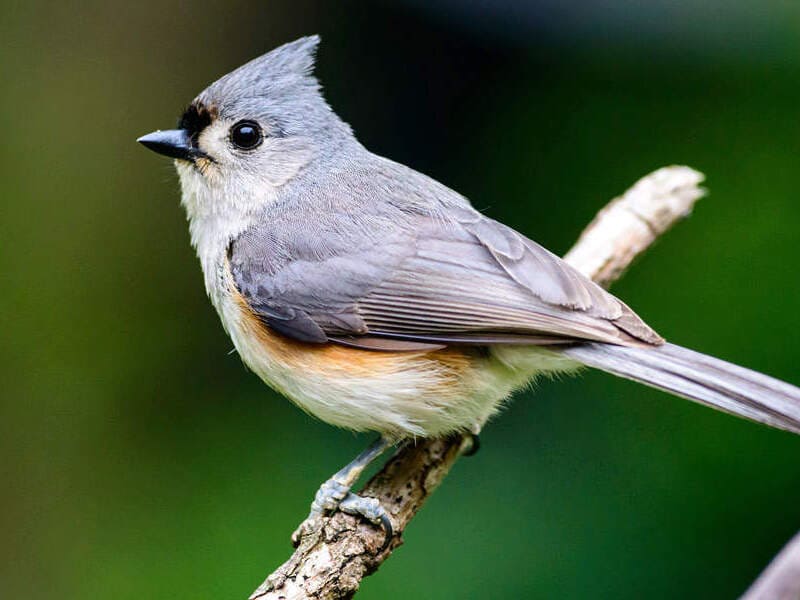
(373, 264)
(279, 89)
(701, 378)
(331, 244)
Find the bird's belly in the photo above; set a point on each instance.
(400, 394)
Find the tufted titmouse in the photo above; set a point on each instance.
(378, 299)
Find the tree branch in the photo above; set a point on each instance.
(781, 579)
(340, 550)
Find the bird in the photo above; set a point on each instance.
(376, 298)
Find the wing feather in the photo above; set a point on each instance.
(421, 279)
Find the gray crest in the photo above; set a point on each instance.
(279, 84)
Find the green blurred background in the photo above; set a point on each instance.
(140, 460)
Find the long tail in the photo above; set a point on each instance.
(700, 378)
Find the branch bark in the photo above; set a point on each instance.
(340, 550)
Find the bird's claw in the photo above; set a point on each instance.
(334, 495)
(371, 510)
(329, 496)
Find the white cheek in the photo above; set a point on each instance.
(214, 141)
(225, 196)
(193, 187)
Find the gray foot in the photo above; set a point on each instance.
(335, 494)
(328, 497)
(372, 511)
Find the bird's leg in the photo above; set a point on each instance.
(471, 445)
(472, 441)
(335, 493)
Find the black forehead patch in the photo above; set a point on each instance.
(196, 118)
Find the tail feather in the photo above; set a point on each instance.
(700, 378)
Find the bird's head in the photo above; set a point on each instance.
(251, 132)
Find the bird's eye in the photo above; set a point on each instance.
(246, 135)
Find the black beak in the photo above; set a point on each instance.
(175, 143)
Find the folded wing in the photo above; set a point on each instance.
(412, 281)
